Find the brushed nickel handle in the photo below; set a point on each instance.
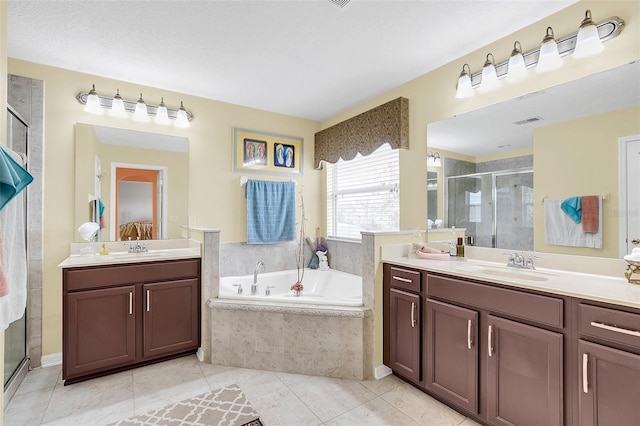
(469, 334)
(585, 370)
(404, 280)
(413, 312)
(130, 303)
(148, 304)
(615, 328)
(635, 241)
(489, 340)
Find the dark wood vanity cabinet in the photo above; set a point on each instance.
(120, 316)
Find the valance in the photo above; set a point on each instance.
(364, 133)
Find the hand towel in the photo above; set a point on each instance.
(562, 230)
(573, 208)
(590, 213)
(271, 211)
(13, 177)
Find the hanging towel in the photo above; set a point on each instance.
(13, 177)
(271, 211)
(561, 230)
(573, 208)
(14, 253)
(590, 213)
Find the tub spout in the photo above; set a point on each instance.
(260, 267)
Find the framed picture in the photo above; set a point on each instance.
(266, 153)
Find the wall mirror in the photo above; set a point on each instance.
(567, 135)
(133, 183)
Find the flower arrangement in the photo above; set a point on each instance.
(297, 288)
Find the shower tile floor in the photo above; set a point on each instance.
(279, 398)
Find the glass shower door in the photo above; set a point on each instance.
(514, 211)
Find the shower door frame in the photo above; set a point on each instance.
(494, 195)
(21, 370)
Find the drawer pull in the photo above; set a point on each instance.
(585, 370)
(413, 313)
(148, 304)
(489, 340)
(469, 343)
(130, 303)
(404, 280)
(616, 329)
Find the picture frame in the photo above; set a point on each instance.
(266, 153)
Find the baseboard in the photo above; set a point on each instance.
(200, 355)
(51, 360)
(381, 371)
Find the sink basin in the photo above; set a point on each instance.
(505, 272)
(120, 255)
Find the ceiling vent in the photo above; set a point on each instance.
(341, 3)
(527, 121)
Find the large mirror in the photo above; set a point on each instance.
(503, 163)
(134, 184)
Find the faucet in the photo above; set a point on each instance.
(137, 247)
(260, 267)
(517, 260)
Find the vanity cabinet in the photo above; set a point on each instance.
(608, 357)
(121, 316)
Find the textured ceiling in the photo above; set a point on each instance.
(304, 58)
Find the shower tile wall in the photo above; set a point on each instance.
(26, 96)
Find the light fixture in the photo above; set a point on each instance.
(93, 102)
(516, 69)
(117, 106)
(549, 58)
(140, 114)
(433, 159)
(182, 120)
(489, 74)
(539, 57)
(588, 41)
(464, 88)
(162, 115)
(120, 107)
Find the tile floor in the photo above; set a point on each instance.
(279, 398)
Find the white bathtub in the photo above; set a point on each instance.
(320, 288)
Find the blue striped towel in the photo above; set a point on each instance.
(13, 177)
(271, 211)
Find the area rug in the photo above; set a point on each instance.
(226, 406)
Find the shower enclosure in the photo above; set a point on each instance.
(494, 207)
(16, 356)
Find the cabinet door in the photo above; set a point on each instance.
(171, 317)
(405, 334)
(100, 328)
(452, 353)
(524, 374)
(609, 387)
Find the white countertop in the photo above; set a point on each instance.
(167, 250)
(585, 286)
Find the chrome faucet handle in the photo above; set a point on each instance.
(530, 260)
(512, 258)
(268, 290)
(239, 288)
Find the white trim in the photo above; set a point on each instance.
(622, 185)
(51, 360)
(381, 371)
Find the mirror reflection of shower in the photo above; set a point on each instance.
(494, 207)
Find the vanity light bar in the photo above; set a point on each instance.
(130, 106)
(607, 29)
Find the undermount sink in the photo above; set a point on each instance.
(505, 272)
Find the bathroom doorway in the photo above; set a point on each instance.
(629, 212)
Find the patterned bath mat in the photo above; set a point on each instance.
(222, 407)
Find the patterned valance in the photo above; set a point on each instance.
(364, 133)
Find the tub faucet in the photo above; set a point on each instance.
(260, 267)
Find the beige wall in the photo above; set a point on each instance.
(432, 98)
(216, 199)
(584, 157)
(3, 137)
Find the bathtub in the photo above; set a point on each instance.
(330, 287)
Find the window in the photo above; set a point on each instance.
(362, 194)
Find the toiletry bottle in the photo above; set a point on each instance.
(460, 247)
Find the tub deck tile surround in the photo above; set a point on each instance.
(306, 339)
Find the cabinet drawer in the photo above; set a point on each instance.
(609, 324)
(405, 279)
(533, 307)
(112, 275)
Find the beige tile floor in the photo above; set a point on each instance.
(279, 398)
